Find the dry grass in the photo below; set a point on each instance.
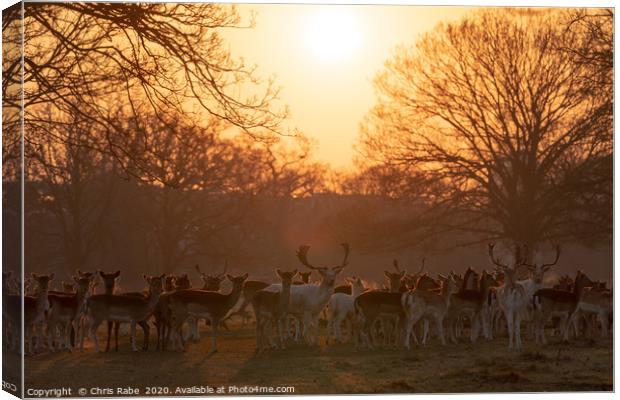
(483, 367)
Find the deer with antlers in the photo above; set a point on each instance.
(535, 282)
(307, 301)
(511, 296)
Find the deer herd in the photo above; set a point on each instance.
(412, 309)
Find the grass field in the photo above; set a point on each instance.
(583, 365)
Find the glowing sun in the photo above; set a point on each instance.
(332, 33)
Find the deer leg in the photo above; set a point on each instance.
(93, 334)
(133, 335)
(146, 329)
(281, 333)
(117, 326)
(509, 323)
(107, 346)
(517, 328)
(215, 323)
(440, 333)
(603, 318)
(49, 333)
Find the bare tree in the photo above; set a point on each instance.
(85, 58)
(76, 186)
(11, 91)
(489, 123)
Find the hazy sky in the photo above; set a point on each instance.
(324, 57)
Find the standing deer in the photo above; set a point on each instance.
(511, 296)
(203, 304)
(124, 308)
(342, 309)
(420, 303)
(548, 302)
(272, 307)
(65, 313)
(211, 283)
(35, 308)
(307, 301)
(533, 283)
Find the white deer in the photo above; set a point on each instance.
(342, 309)
(307, 301)
(512, 298)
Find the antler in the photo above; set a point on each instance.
(422, 267)
(395, 264)
(522, 260)
(345, 261)
(557, 257)
(225, 268)
(496, 262)
(302, 255)
(197, 267)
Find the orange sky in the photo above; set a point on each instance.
(325, 57)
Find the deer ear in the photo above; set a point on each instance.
(387, 274)
(245, 276)
(279, 272)
(295, 272)
(34, 275)
(145, 277)
(51, 276)
(101, 273)
(230, 278)
(117, 273)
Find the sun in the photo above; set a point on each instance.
(333, 34)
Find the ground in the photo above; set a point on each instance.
(583, 365)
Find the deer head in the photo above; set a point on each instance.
(328, 274)
(395, 278)
(182, 282)
(286, 276)
(156, 283)
(109, 280)
(537, 271)
(43, 281)
(212, 282)
(510, 273)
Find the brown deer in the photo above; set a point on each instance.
(162, 310)
(204, 304)
(548, 302)
(272, 307)
(123, 308)
(35, 308)
(471, 301)
(65, 313)
(109, 284)
(434, 306)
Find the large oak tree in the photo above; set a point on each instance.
(497, 124)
